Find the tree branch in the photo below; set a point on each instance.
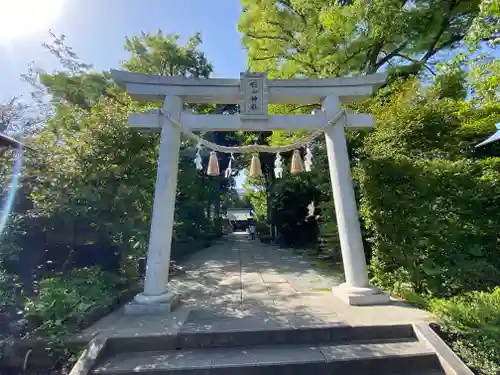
(417, 62)
(432, 50)
(270, 37)
(303, 106)
(264, 58)
(371, 57)
(347, 57)
(454, 39)
(389, 56)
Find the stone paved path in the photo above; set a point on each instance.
(262, 286)
(249, 275)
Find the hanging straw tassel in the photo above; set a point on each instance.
(213, 165)
(255, 169)
(297, 163)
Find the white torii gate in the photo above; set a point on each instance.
(253, 91)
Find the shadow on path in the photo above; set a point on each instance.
(239, 284)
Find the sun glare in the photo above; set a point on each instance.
(20, 18)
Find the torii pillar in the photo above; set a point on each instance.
(252, 92)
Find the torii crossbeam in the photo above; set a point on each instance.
(253, 92)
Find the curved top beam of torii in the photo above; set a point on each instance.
(227, 91)
(253, 100)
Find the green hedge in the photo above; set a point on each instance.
(328, 239)
(432, 223)
(472, 323)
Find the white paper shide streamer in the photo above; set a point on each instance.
(229, 169)
(197, 159)
(308, 159)
(278, 166)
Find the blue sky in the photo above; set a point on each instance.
(96, 30)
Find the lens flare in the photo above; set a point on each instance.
(8, 200)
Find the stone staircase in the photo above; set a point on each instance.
(338, 349)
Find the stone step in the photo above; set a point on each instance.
(204, 336)
(410, 357)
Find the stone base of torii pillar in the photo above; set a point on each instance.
(144, 305)
(367, 296)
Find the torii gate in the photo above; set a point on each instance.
(253, 91)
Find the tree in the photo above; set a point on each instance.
(87, 191)
(162, 54)
(93, 169)
(434, 125)
(486, 25)
(17, 119)
(321, 38)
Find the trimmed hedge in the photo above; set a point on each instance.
(432, 223)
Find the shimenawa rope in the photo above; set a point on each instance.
(255, 148)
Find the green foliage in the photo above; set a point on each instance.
(328, 238)
(432, 224)
(319, 38)
(472, 323)
(90, 185)
(485, 79)
(99, 176)
(10, 295)
(450, 82)
(162, 54)
(15, 119)
(8, 283)
(486, 25)
(429, 200)
(406, 292)
(64, 301)
(83, 90)
(478, 74)
(435, 212)
(109, 173)
(235, 201)
(290, 198)
(256, 194)
(262, 230)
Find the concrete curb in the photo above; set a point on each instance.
(92, 354)
(451, 363)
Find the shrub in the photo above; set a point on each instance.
(328, 240)
(7, 290)
(64, 301)
(290, 199)
(472, 322)
(266, 239)
(432, 223)
(261, 229)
